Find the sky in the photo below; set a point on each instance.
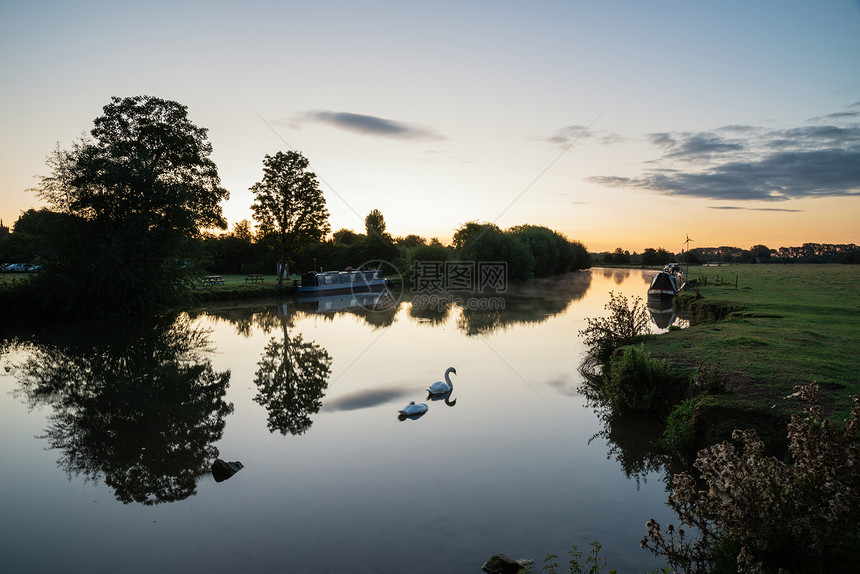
(618, 123)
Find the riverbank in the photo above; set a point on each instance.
(764, 329)
(234, 287)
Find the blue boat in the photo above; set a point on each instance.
(350, 281)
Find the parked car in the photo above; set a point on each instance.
(19, 268)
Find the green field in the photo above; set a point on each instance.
(787, 325)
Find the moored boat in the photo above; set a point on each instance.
(668, 282)
(350, 281)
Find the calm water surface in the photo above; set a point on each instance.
(108, 437)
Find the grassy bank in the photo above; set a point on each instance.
(784, 325)
(236, 287)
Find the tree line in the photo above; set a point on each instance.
(806, 253)
(131, 206)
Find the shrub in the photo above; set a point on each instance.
(622, 326)
(801, 514)
(638, 383)
(680, 433)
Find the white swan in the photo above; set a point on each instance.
(439, 388)
(413, 409)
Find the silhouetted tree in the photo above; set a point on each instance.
(374, 223)
(760, 253)
(289, 205)
(135, 192)
(377, 244)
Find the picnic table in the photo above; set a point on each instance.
(213, 280)
(254, 277)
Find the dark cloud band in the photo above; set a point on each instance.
(747, 163)
(372, 125)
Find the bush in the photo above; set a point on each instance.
(680, 433)
(624, 324)
(801, 514)
(638, 383)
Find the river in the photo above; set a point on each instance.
(109, 434)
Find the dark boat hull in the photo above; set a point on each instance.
(665, 285)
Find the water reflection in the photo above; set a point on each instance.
(529, 302)
(139, 409)
(634, 443)
(445, 398)
(291, 378)
(662, 312)
(618, 275)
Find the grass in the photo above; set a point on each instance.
(786, 325)
(235, 287)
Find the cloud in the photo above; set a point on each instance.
(755, 208)
(748, 163)
(567, 135)
(698, 146)
(371, 125)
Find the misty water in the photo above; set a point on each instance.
(109, 434)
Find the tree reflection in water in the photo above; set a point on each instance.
(140, 409)
(633, 441)
(292, 376)
(528, 302)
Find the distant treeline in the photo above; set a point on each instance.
(806, 253)
(529, 250)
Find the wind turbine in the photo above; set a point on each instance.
(687, 243)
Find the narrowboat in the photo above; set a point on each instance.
(668, 282)
(350, 281)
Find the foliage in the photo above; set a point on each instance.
(430, 252)
(125, 204)
(657, 256)
(232, 253)
(377, 245)
(346, 237)
(551, 250)
(637, 383)
(374, 223)
(593, 562)
(798, 514)
(622, 326)
(412, 240)
(485, 242)
(147, 160)
(619, 256)
(679, 435)
(242, 230)
(288, 204)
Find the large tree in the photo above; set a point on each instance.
(136, 190)
(289, 205)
